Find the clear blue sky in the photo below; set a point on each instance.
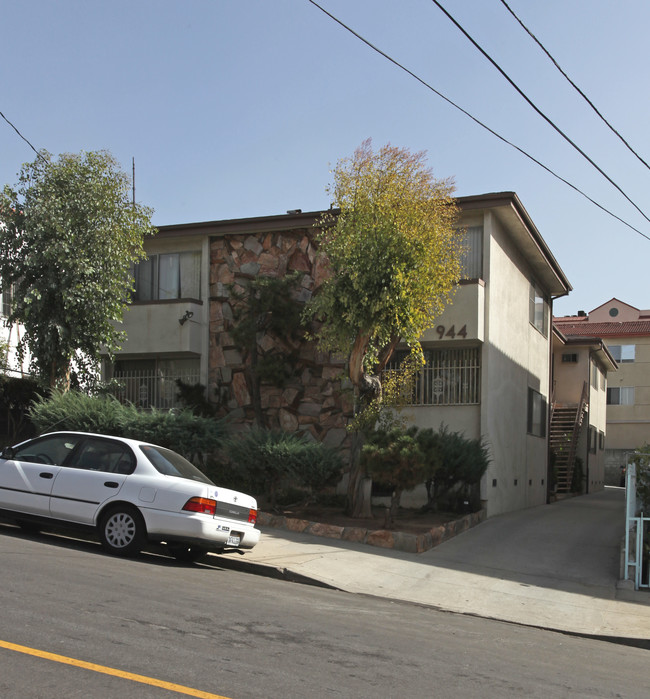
(237, 108)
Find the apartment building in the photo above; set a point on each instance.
(582, 367)
(626, 332)
(488, 357)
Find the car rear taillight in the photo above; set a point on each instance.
(203, 505)
(252, 516)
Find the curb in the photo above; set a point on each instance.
(266, 571)
(382, 538)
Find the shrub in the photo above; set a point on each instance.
(192, 436)
(16, 396)
(394, 458)
(642, 460)
(450, 465)
(269, 459)
(456, 465)
(77, 411)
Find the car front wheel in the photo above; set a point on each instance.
(122, 531)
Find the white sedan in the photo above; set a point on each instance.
(130, 492)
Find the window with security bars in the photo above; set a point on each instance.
(449, 377)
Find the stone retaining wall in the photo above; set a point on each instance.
(402, 541)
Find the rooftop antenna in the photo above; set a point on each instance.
(133, 180)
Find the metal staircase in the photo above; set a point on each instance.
(566, 424)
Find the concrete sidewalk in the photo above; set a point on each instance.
(554, 567)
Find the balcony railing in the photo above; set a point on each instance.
(151, 389)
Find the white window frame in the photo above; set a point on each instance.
(538, 309)
(623, 354)
(620, 395)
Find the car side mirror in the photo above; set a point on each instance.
(8, 453)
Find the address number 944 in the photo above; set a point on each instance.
(443, 331)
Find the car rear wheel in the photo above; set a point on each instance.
(122, 531)
(186, 553)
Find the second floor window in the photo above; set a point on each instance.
(175, 275)
(624, 395)
(623, 353)
(472, 255)
(538, 309)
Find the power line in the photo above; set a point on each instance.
(18, 132)
(537, 109)
(476, 120)
(576, 88)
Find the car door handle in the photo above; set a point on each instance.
(112, 484)
(45, 474)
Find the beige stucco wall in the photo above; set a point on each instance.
(516, 357)
(628, 426)
(466, 313)
(570, 377)
(595, 472)
(152, 329)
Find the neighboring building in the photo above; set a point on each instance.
(626, 331)
(488, 371)
(581, 367)
(10, 364)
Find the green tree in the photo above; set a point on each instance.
(68, 235)
(395, 260)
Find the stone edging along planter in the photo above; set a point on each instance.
(388, 539)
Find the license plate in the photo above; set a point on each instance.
(233, 540)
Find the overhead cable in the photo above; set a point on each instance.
(18, 132)
(538, 110)
(575, 87)
(475, 119)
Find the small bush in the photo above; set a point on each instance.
(271, 459)
(450, 465)
(192, 436)
(394, 458)
(456, 465)
(79, 412)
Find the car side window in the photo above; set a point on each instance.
(104, 455)
(48, 450)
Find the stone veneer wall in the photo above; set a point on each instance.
(312, 402)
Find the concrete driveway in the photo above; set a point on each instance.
(554, 566)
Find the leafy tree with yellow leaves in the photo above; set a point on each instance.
(395, 260)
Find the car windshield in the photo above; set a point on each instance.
(169, 463)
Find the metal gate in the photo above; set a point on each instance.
(637, 523)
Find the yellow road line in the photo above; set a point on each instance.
(110, 671)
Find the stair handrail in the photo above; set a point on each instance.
(583, 406)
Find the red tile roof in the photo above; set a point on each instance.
(578, 326)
